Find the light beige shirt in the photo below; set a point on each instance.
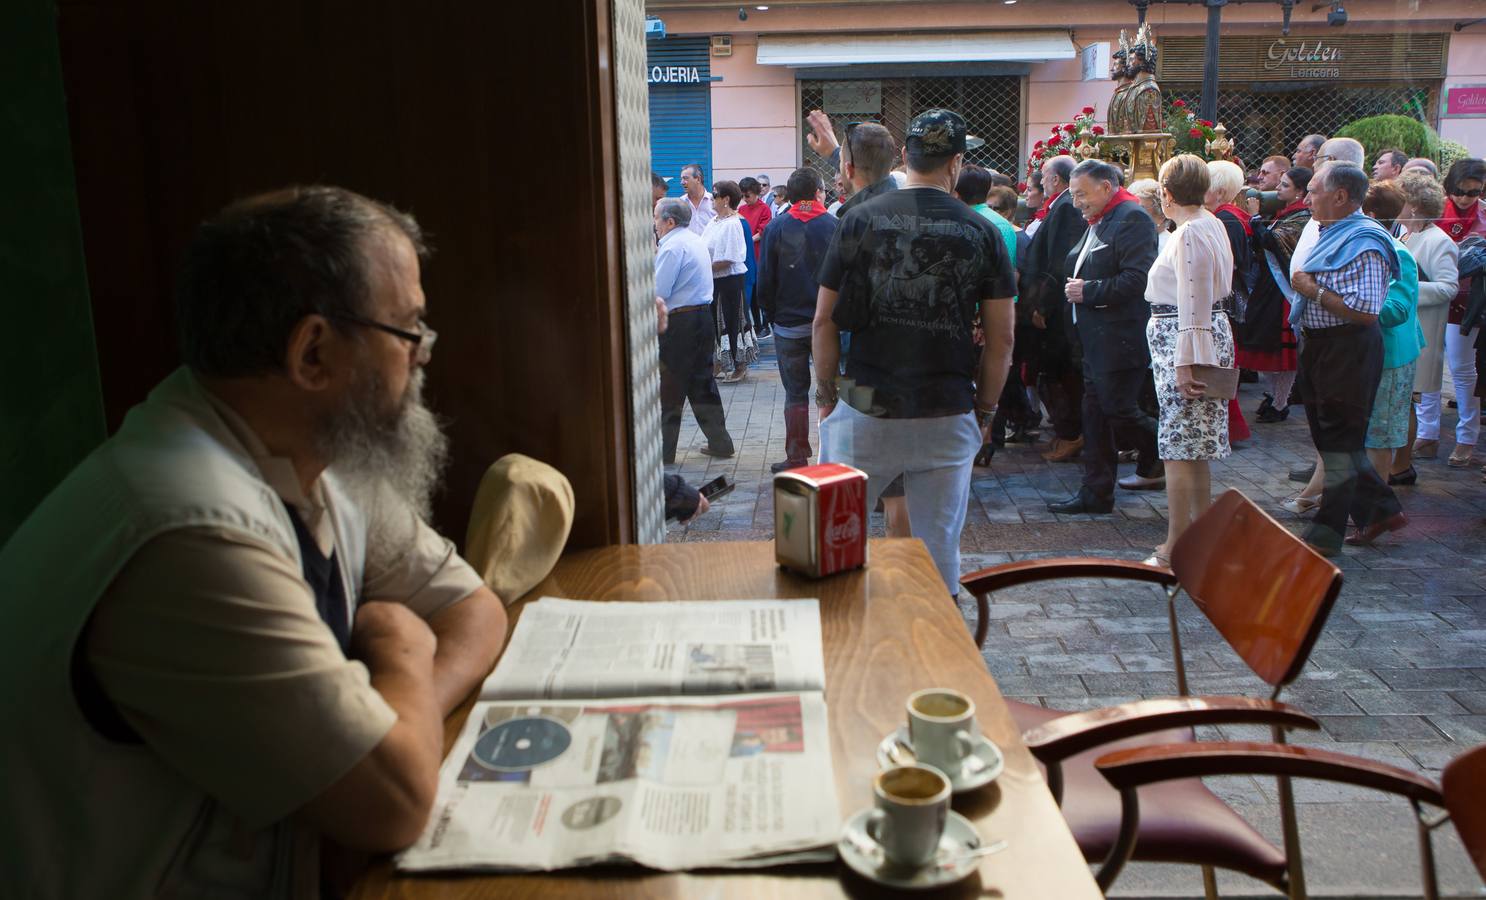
(210, 645)
(1192, 272)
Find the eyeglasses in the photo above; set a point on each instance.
(422, 339)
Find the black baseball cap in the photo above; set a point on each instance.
(938, 132)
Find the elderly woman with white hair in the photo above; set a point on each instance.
(1225, 181)
(1148, 192)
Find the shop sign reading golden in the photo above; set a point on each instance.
(1309, 59)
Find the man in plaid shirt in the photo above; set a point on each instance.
(1342, 288)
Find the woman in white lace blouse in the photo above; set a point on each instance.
(1192, 273)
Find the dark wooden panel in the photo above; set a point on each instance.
(492, 123)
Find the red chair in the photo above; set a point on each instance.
(1462, 794)
(1268, 595)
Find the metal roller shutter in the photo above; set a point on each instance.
(680, 113)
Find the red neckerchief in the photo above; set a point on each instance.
(1241, 214)
(1120, 196)
(1457, 223)
(1047, 205)
(1297, 206)
(806, 210)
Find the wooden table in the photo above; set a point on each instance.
(889, 630)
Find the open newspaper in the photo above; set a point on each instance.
(675, 735)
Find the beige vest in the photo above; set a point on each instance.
(80, 815)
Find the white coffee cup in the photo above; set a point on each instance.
(942, 728)
(912, 808)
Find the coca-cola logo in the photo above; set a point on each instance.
(845, 529)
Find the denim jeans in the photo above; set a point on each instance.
(934, 456)
(794, 373)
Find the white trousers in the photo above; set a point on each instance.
(933, 455)
(1460, 358)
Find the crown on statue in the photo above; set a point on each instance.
(1124, 43)
(1145, 42)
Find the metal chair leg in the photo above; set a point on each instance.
(1124, 845)
(1426, 854)
(983, 620)
(1294, 863)
(1209, 883)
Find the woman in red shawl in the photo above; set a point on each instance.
(1266, 341)
(1225, 180)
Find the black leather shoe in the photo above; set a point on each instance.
(1264, 406)
(1406, 477)
(1271, 415)
(706, 450)
(1303, 474)
(788, 464)
(1082, 503)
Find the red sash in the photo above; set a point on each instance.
(1120, 196)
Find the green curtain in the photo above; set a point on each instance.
(51, 414)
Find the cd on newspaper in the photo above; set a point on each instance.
(519, 744)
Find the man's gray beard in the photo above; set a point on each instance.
(389, 463)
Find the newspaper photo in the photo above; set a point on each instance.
(573, 649)
(670, 783)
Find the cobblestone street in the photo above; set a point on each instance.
(1398, 675)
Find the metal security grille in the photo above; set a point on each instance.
(1264, 121)
(991, 104)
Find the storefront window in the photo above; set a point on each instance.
(991, 104)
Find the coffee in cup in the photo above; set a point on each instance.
(942, 728)
(912, 805)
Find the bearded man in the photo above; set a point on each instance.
(230, 631)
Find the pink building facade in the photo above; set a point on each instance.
(1018, 69)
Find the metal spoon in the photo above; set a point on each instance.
(989, 849)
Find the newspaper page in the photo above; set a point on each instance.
(670, 783)
(574, 649)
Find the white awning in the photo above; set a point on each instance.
(800, 50)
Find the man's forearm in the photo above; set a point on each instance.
(998, 322)
(1335, 304)
(825, 342)
(470, 635)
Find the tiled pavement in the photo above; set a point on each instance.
(1398, 675)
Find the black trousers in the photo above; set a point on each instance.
(686, 374)
(760, 318)
(1113, 418)
(1060, 377)
(727, 299)
(1340, 368)
(1012, 408)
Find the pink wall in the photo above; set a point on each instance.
(753, 115)
(1467, 65)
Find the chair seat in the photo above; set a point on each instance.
(1180, 821)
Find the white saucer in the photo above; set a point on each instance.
(976, 770)
(864, 855)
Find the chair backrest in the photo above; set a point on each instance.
(1264, 589)
(1464, 786)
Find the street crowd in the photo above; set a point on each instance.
(943, 314)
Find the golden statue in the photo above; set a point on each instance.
(1119, 70)
(1137, 115)
(1147, 112)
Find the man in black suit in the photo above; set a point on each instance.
(1060, 227)
(1106, 297)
